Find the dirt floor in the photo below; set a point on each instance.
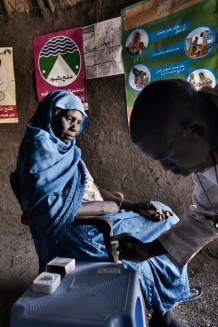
(107, 150)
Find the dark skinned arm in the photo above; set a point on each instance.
(145, 208)
(96, 208)
(132, 249)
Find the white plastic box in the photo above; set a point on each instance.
(62, 266)
(46, 283)
(92, 295)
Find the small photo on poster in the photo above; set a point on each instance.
(202, 77)
(137, 42)
(200, 42)
(139, 77)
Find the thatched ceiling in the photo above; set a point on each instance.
(12, 6)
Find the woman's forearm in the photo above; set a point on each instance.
(108, 196)
(122, 203)
(96, 208)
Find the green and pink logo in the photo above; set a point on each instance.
(60, 61)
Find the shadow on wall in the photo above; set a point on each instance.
(8, 295)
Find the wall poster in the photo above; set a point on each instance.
(8, 109)
(59, 63)
(169, 39)
(103, 48)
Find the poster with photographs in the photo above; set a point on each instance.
(169, 39)
(8, 109)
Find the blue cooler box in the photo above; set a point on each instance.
(93, 295)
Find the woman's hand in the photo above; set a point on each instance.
(133, 249)
(151, 211)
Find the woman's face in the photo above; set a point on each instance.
(137, 37)
(135, 72)
(66, 124)
(202, 77)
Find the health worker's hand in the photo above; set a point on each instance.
(130, 248)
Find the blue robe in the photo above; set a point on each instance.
(45, 167)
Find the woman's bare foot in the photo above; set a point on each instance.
(168, 320)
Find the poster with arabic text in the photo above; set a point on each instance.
(59, 63)
(8, 109)
(169, 39)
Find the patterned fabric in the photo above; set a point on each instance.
(91, 192)
(46, 166)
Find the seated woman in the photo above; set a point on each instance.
(56, 187)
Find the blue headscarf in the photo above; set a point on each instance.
(61, 99)
(46, 166)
